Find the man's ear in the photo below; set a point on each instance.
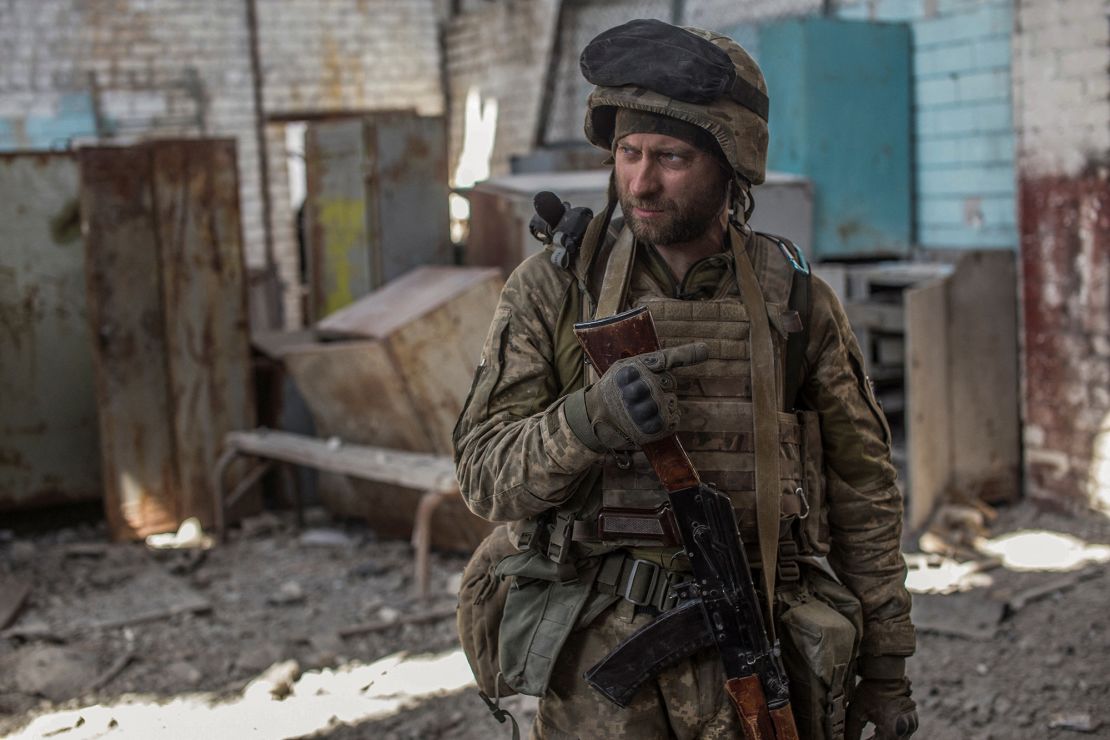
(740, 199)
(727, 205)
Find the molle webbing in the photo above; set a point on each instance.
(717, 425)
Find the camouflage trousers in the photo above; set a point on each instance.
(684, 702)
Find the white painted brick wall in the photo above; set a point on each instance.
(317, 55)
(502, 49)
(1061, 54)
(139, 53)
(1061, 85)
(581, 23)
(722, 14)
(586, 20)
(335, 56)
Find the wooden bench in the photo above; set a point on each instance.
(434, 475)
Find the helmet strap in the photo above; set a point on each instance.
(741, 200)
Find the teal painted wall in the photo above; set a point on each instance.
(841, 116)
(965, 190)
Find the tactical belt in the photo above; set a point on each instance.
(655, 525)
(641, 582)
(652, 586)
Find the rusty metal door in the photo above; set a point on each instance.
(376, 203)
(48, 436)
(408, 194)
(167, 302)
(338, 249)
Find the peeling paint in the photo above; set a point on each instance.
(1065, 252)
(48, 441)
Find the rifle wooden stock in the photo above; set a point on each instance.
(759, 722)
(626, 335)
(633, 333)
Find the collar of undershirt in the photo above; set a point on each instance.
(703, 280)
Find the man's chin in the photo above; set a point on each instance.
(657, 234)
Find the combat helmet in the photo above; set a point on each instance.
(694, 75)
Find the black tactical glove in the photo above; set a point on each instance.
(634, 401)
(886, 703)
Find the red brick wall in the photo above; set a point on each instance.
(1062, 118)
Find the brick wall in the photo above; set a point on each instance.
(1061, 53)
(717, 14)
(333, 57)
(581, 22)
(584, 20)
(963, 122)
(501, 49)
(175, 67)
(182, 68)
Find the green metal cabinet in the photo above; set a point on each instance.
(841, 115)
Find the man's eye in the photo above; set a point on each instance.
(671, 157)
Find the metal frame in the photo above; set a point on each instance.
(431, 474)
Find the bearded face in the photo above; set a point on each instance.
(670, 192)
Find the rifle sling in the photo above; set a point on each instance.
(614, 286)
(618, 274)
(765, 407)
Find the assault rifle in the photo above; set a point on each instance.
(724, 609)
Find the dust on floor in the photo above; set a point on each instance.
(316, 633)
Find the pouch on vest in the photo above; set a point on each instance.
(542, 606)
(481, 606)
(815, 528)
(820, 630)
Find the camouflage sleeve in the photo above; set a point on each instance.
(515, 453)
(865, 505)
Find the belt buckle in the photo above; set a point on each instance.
(646, 601)
(679, 589)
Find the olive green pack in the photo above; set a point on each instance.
(820, 626)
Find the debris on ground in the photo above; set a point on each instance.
(189, 535)
(316, 633)
(13, 595)
(1079, 722)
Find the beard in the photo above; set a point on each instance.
(679, 221)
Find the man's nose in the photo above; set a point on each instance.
(644, 179)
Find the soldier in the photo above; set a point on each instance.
(551, 449)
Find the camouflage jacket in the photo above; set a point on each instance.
(517, 456)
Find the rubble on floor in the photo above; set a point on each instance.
(315, 633)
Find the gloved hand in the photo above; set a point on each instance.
(634, 401)
(886, 703)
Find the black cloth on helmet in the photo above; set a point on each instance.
(670, 61)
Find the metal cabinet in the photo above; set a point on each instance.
(841, 115)
(376, 203)
(49, 452)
